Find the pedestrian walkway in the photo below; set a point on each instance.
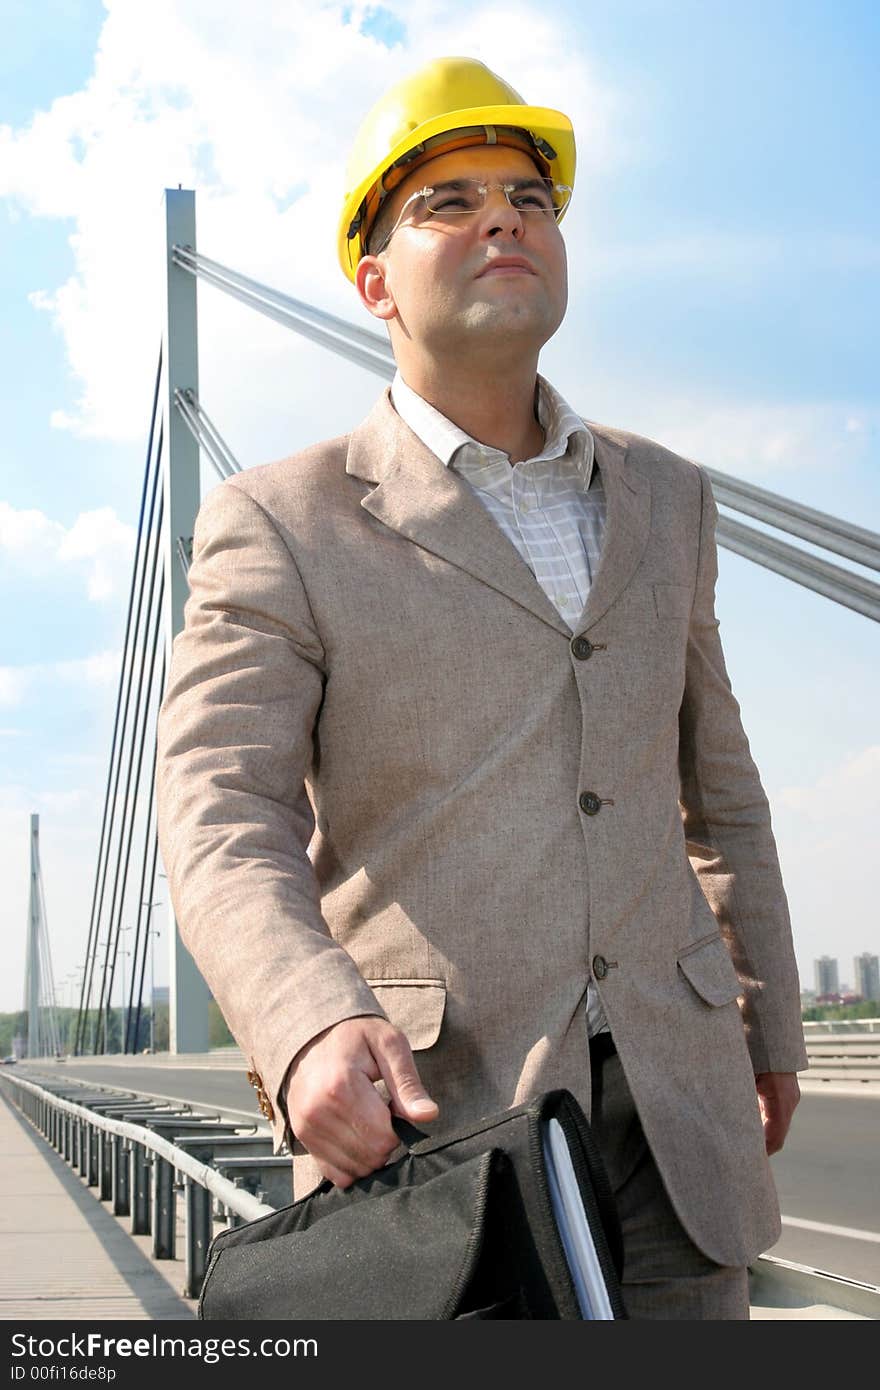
(64, 1255)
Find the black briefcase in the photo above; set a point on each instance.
(511, 1217)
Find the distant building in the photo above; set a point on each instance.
(866, 969)
(826, 976)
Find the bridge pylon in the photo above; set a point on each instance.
(188, 993)
(39, 987)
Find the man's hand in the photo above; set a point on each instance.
(335, 1110)
(778, 1094)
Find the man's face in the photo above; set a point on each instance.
(444, 297)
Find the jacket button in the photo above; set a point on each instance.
(600, 967)
(582, 648)
(589, 803)
(263, 1100)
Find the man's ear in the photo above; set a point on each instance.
(372, 286)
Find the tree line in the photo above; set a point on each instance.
(14, 1025)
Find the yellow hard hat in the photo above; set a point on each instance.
(413, 122)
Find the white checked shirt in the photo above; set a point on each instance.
(551, 507)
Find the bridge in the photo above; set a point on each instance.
(69, 1093)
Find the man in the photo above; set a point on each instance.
(467, 657)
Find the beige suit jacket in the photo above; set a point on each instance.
(391, 782)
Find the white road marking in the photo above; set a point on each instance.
(848, 1231)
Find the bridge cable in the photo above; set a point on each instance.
(359, 345)
(819, 528)
(132, 647)
(368, 349)
(139, 726)
(138, 956)
(151, 838)
(832, 581)
(85, 990)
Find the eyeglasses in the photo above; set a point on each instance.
(459, 198)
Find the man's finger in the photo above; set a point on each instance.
(409, 1098)
(338, 1176)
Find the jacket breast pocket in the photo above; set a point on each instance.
(707, 967)
(673, 600)
(414, 1006)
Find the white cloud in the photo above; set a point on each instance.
(255, 106)
(744, 437)
(29, 535)
(63, 803)
(98, 546)
(742, 255)
(825, 830)
(105, 544)
(851, 789)
(13, 684)
(98, 670)
(751, 439)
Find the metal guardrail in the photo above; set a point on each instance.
(137, 1169)
(114, 1155)
(840, 1025)
(843, 1056)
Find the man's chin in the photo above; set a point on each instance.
(511, 322)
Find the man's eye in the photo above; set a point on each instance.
(532, 200)
(455, 203)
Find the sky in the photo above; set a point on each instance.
(724, 249)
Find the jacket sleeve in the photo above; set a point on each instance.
(727, 828)
(235, 743)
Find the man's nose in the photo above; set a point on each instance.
(499, 215)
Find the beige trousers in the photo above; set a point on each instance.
(665, 1276)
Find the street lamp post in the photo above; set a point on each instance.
(76, 980)
(124, 1038)
(109, 1007)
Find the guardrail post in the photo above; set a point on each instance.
(120, 1166)
(105, 1165)
(121, 1192)
(92, 1157)
(164, 1209)
(233, 1220)
(199, 1229)
(140, 1190)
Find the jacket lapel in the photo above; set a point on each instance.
(627, 525)
(428, 503)
(419, 497)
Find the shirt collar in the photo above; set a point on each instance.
(564, 430)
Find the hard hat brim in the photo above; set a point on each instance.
(549, 125)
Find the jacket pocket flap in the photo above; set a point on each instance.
(414, 1006)
(709, 969)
